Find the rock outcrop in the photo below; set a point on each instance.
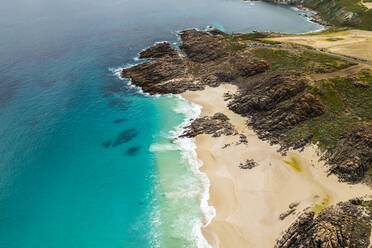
(346, 224)
(275, 105)
(170, 73)
(216, 125)
(351, 158)
(247, 67)
(201, 46)
(249, 164)
(158, 50)
(153, 76)
(266, 94)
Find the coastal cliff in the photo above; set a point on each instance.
(285, 107)
(338, 13)
(286, 2)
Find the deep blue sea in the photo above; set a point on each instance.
(86, 160)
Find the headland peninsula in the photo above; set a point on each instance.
(285, 133)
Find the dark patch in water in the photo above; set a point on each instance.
(120, 120)
(125, 136)
(114, 102)
(120, 102)
(133, 151)
(71, 77)
(106, 144)
(8, 88)
(47, 83)
(112, 88)
(33, 123)
(124, 105)
(140, 203)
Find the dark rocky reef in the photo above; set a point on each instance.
(133, 151)
(216, 125)
(346, 224)
(158, 50)
(124, 137)
(351, 158)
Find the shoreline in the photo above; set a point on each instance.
(250, 203)
(259, 194)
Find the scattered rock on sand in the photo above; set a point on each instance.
(249, 164)
(216, 125)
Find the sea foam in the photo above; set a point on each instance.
(191, 111)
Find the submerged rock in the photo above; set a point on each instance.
(133, 151)
(117, 121)
(125, 136)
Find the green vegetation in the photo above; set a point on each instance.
(232, 44)
(305, 62)
(271, 42)
(326, 201)
(252, 36)
(348, 100)
(350, 13)
(294, 164)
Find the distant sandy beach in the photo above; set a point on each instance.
(250, 203)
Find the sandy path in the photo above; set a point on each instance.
(248, 202)
(340, 73)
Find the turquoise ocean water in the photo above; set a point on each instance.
(85, 159)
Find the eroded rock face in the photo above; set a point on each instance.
(352, 156)
(266, 94)
(288, 114)
(275, 105)
(201, 46)
(216, 125)
(346, 224)
(248, 67)
(159, 50)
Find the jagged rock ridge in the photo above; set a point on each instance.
(346, 224)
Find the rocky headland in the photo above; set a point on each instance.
(284, 106)
(333, 12)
